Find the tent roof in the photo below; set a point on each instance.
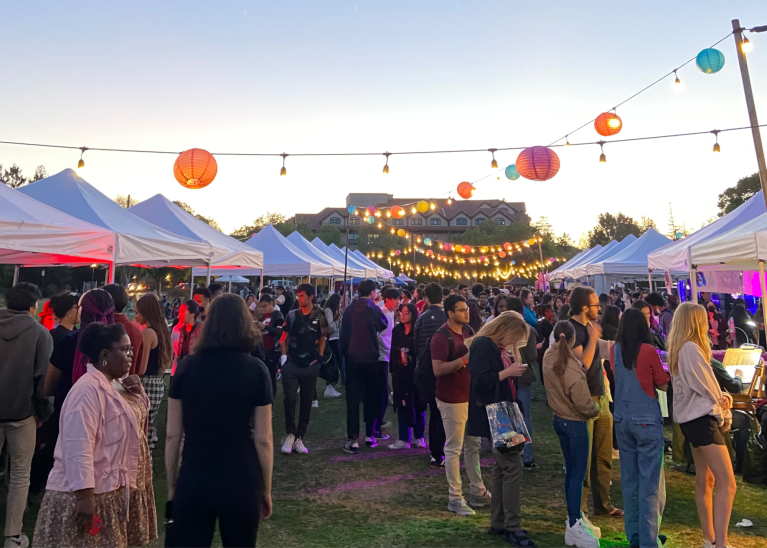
(233, 279)
(306, 246)
(564, 272)
(631, 260)
(381, 271)
(34, 234)
(607, 252)
(137, 241)
(518, 281)
(738, 249)
(404, 278)
(228, 252)
(676, 255)
(336, 253)
(282, 258)
(572, 260)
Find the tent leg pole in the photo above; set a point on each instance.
(191, 285)
(112, 268)
(763, 287)
(16, 272)
(261, 283)
(207, 280)
(230, 284)
(649, 276)
(694, 285)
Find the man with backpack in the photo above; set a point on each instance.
(429, 321)
(302, 347)
(360, 326)
(449, 357)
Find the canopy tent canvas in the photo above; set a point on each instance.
(740, 248)
(564, 272)
(137, 241)
(34, 234)
(233, 279)
(306, 246)
(404, 278)
(518, 281)
(338, 255)
(676, 255)
(227, 251)
(632, 260)
(572, 260)
(381, 271)
(281, 258)
(607, 252)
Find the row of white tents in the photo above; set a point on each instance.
(64, 221)
(736, 242)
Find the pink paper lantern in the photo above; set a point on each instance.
(538, 163)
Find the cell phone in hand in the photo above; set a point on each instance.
(96, 525)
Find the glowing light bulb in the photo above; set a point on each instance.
(746, 45)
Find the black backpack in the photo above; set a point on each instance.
(423, 377)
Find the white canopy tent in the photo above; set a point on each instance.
(306, 246)
(572, 260)
(608, 251)
(381, 272)
(34, 234)
(352, 261)
(233, 279)
(563, 272)
(632, 259)
(228, 252)
(137, 242)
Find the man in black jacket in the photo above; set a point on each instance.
(431, 319)
(271, 327)
(362, 322)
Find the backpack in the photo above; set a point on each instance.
(314, 315)
(424, 377)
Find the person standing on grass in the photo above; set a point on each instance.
(361, 324)
(528, 301)
(302, 347)
(584, 312)
(157, 355)
(449, 358)
(411, 411)
(202, 296)
(702, 411)
(184, 336)
(639, 427)
(389, 304)
(66, 310)
(333, 318)
(492, 381)
(271, 325)
(121, 299)
(570, 400)
(429, 321)
(225, 422)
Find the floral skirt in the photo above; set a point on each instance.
(56, 522)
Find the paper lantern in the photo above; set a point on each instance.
(352, 210)
(401, 232)
(501, 254)
(538, 163)
(507, 246)
(370, 220)
(608, 123)
(195, 168)
(710, 60)
(465, 190)
(397, 211)
(448, 247)
(513, 262)
(482, 258)
(427, 241)
(371, 211)
(531, 241)
(397, 252)
(429, 252)
(511, 172)
(422, 206)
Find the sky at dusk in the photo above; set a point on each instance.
(359, 76)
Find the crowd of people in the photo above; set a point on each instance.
(78, 402)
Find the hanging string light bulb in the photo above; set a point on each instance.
(567, 140)
(386, 165)
(493, 164)
(81, 163)
(746, 45)
(717, 148)
(602, 157)
(678, 86)
(449, 200)
(283, 171)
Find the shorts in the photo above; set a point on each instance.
(703, 431)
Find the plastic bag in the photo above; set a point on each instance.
(507, 426)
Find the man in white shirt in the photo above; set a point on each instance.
(389, 303)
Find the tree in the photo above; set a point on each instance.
(126, 201)
(246, 231)
(565, 240)
(207, 220)
(13, 177)
(40, 173)
(610, 227)
(330, 234)
(730, 199)
(645, 224)
(543, 227)
(290, 226)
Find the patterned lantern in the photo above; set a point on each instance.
(371, 211)
(401, 232)
(422, 206)
(501, 254)
(397, 211)
(195, 168)
(538, 163)
(427, 241)
(511, 172)
(465, 190)
(352, 210)
(608, 123)
(710, 60)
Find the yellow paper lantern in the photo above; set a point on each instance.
(401, 232)
(422, 206)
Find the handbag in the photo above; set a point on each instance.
(507, 426)
(329, 367)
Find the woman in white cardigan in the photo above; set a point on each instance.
(703, 413)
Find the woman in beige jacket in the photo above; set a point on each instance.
(570, 400)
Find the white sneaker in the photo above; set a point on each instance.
(299, 447)
(287, 445)
(420, 442)
(579, 536)
(707, 544)
(593, 529)
(331, 392)
(399, 444)
(315, 403)
(461, 508)
(22, 541)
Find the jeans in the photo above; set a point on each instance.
(436, 432)
(383, 391)
(641, 448)
(505, 507)
(335, 348)
(361, 387)
(575, 442)
(21, 446)
(411, 415)
(454, 417)
(525, 397)
(599, 471)
(272, 362)
(294, 377)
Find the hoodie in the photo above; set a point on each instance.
(360, 326)
(25, 349)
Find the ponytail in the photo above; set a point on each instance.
(564, 333)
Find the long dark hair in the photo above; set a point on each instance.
(475, 319)
(611, 316)
(334, 304)
(633, 332)
(498, 299)
(228, 326)
(96, 305)
(150, 307)
(413, 309)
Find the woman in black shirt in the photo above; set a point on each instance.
(411, 411)
(218, 395)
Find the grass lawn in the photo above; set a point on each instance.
(387, 499)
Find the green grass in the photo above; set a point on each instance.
(327, 498)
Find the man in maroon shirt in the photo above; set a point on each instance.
(120, 297)
(449, 359)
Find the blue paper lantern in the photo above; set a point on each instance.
(352, 210)
(710, 60)
(679, 235)
(427, 241)
(370, 220)
(512, 173)
(513, 262)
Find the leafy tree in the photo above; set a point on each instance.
(13, 177)
(645, 224)
(246, 231)
(330, 234)
(543, 227)
(207, 220)
(565, 240)
(40, 173)
(126, 201)
(610, 227)
(290, 226)
(730, 199)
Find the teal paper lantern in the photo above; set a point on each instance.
(679, 235)
(710, 60)
(427, 241)
(352, 210)
(512, 173)
(370, 220)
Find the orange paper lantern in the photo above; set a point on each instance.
(465, 190)
(608, 123)
(397, 211)
(538, 163)
(195, 168)
(501, 254)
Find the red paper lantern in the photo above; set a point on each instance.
(195, 168)
(397, 211)
(465, 190)
(507, 246)
(448, 247)
(538, 163)
(501, 254)
(608, 123)
(429, 252)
